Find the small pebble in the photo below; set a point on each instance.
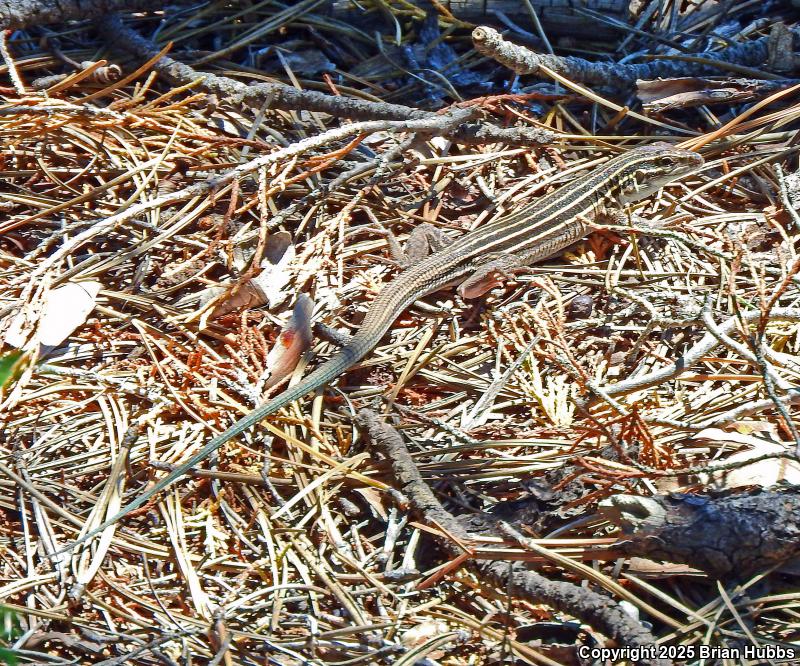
(580, 307)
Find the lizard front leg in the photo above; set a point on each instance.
(488, 276)
(618, 225)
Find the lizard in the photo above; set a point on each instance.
(510, 242)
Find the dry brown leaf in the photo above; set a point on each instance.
(294, 339)
(765, 473)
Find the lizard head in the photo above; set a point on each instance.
(646, 170)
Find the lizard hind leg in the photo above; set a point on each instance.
(421, 242)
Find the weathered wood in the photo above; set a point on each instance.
(724, 535)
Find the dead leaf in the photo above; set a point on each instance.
(65, 309)
(765, 473)
(375, 499)
(267, 287)
(246, 296)
(279, 253)
(294, 339)
(423, 632)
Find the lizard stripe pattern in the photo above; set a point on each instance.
(533, 233)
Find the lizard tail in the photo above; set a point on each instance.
(348, 355)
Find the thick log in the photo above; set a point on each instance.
(724, 535)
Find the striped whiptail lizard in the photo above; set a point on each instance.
(533, 233)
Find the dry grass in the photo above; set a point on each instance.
(301, 554)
